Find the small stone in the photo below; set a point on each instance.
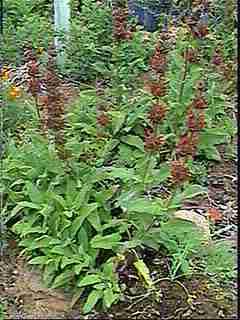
(201, 311)
(187, 313)
(221, 314)
(156, 261)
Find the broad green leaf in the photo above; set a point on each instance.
(144, 272)
(106, 242)
(134, 141)
(82, 196)
(109, 297)
(162, 174)
(143, 205)
(94, 220)
(89, 280)
(76, 296)
(21, 205)
(92, 299)
(37, 229)
(58, 250)
(212, 153)
(62, 279)
(78, 268)
(67, 261)
(35, 195)
(39, 260)
(123, 173)
(193, 190)
(117, 120)
(82, 237)
(83, 213)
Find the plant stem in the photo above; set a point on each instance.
(183, 78)
(147, 169)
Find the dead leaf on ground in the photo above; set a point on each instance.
(200, 221)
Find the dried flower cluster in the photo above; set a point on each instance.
(157, 113)
(53, 109)
(191, 55)
(120, 31)
(195, 122)
(151, 141)
(223, 68)
(158, 88)
(179, 172)
(32, 63)
(197, 27)
(103, 119)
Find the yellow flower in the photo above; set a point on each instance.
(40, 50)
(5, 75)
(14, 92)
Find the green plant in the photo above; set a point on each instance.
(2, 311)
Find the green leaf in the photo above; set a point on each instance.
(212, 153)
(20, 206)
(89, 280)
(67, 261)
(34, 194)
(123, 173)
(117, 120)
(76, 296)
(162, 174)
(78, 268)
(211, 137)
(144, 272)
(82, 196)
(94, 220)
(109, 297)
(143, 205)
(192, 191)
(134, 141)
(83, 213)
(62, 279)
(106, 242)
(92, 299)
(39, 260)
(58, 250)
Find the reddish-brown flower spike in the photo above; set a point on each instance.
(200, 30)
(217, 59)
(187, 144)
(157, 113)
(158, 89)
(201, 121)
(191, 120)
(103, 119)
(179, 172)
(214, 214)
(152, 142)
(158, 63)
(33, 68)
(199, 103)
(191, 55)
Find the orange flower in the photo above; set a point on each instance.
(15, 92)
(214, 214)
